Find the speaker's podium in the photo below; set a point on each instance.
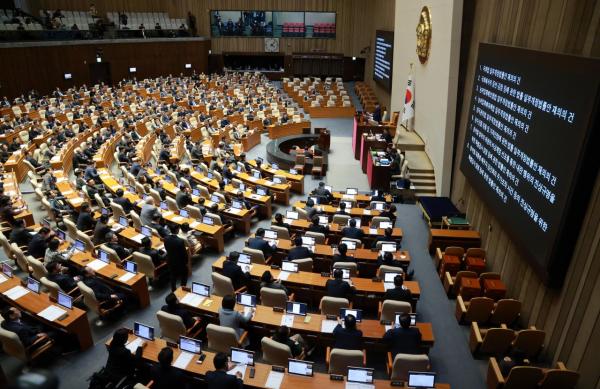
(379, 170)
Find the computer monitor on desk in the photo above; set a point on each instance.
(190, 345)
(421, 380)
(242, 357)
(360, 375)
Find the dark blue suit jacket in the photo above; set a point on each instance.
(262, 245)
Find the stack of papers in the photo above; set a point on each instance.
(284, 275)
(246, 268)
(328, 326)
(16, 293)
(126, 277)
(238, 368)
(192, 299)
(357, 385)
(183, 359)
(287, 320)
(274, 380)
(138, 238)
(52, 313)
(134, 344)
(96, 265)
(234, 211)
(167, 213)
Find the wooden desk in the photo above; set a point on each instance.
(330, 210)
(443, 238)
(494, 289)
(75, 323)
(250, 140)
(361, 199)
(11, 188)
(379, 176)
(290, 128)
(366, 145)
(262, 370)
(264, 202)
(331, 112)
(296, 180)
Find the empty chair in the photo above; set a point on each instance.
(71, 229)
(389, 308)
(559, 378)
(403, 363)
(379, 219)
(275, 353)
(300, 163)
(519, 377)
(530, 341)
(302, 214)
(449, 251)
(332, 305)
(340, 219)
(21, 259)
(383, 269)
(135, 218)
(319, 237)
(304, 264)
(317, 169)
(12, 345)
(222, 285)
(358, 242)
(351, 266)
(475, 259)
(103, 310)
(272, 297)
(257, 256)
(506, 312)
(89, 245)
(338, 360)
(452, 283)
(491, 341)
(282, 232)
(172, 204)
(194, 212)
(478, 309)
(222, 339)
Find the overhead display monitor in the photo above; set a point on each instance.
(383, 59)
(527, 149)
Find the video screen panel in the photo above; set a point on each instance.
(527, 148)
(383, 59)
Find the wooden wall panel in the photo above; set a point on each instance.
(570, 316)
(43, 67)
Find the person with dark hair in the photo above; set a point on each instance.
(122, 201)
(267, 281)
(404, 339)
(388, 259)
(279, 221)
(390, 212)
(121, 363)
(295, 342)
(399, 292)
(342, 254)
(219, 379)
(85, 221)
(310, 209)
(177, 258)
(104, 294)
(338, 287)
(323, 192)
(387, 237)
(39, 243)
(183, 197)
(342, 209)
(158, 224)
(101, 229)
(316, 227)
(228, 317)
(157, 256)
(59, 274)
(298, 251)
(164, 375)
(28, 334)
(259, 243)
(112, 242)
(352, 231)
(347, 337)
(235, 273)
(7, 211)
(173, 307)
(20, 234)
(53, 254)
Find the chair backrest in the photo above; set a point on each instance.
(378, 219)
(272, 297)
(39, 270)
(340, 219)
(530, 341)
(282, 232)
(215, 218)
(6, 246)
(506, 312)
(403, 363)
(172, 204)
(221, 339)
(194, 212)
(89, 245)
(389, 308)
(304, 264)
(383, 269)
(257, 255)
(559, 379)
(117, 210)
(135, 218)
(479, 310)
(20, 258)
(89, 298)
(71, 228)
(203, 191)
(340, 359)
(523, 377)
(99, 200)
(302, 214)
(489, 276)
(112, 254)
(497, 341)
(171, 326)
(275, 353)
(52, 287)
(144, 264)
(475, 252)
(319, 236)
(357, 241)
(222, 285)
(332, 305)
(454, 250)
(348, 266)
(11, 344)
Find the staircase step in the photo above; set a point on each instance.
(419, 183)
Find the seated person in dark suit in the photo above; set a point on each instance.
(112, 241)
(404, 339)
(59, 274)
(39, 243)
(342, 210)
(104, 294)
(101, 229)
(316, 227)
(174, 308)
(378, 195)
(121, 363)
(377, 113)
(338, 287)
(164, 375)
(183, 197)
(122, 201)
(388, 260)
(28, 334)
(351, 231)
(295, 342)
(310, 209)
(341, 255)
(219, 379)
(279, 222)
(323, 193)
(85, 221)
(387, 237)
(232, 270)
(159, 225)
(258, 243)
(164, 155)
(157, 256)
(20, 234)
(298, 251)
(389, 211)
(267, 281)
(399, 292)
(347, 337)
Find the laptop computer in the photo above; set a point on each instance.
(361, 375)
(421, 380)
(242, 357)
(190, 345)
(200, 289)
(357, 313)
(143, 331)
(295, 308)
(298, 367)
(64, 300)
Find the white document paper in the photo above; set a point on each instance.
(167, 213)
(3, 278)
(134, 344)
(283, 275)
(287, 320)
(16, 292)
(246, 268)
(373, 231)
(388, 285)
(126, 277)
(287, 221)
(96, 264)
(247, 311)
(388, 327)
(274, 380)
(234, 211)
(356, 385)
(366, 211)
(194, 224)
(52, 313)
(192, 299)
(328, 326)
(178, 219)
(238, 368)
(183, 360)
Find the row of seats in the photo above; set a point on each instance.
(293, 29)
(324, 29)
(148, 19)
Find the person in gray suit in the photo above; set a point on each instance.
(228, 317)
(148, 211)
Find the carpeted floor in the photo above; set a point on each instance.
(450, 357)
